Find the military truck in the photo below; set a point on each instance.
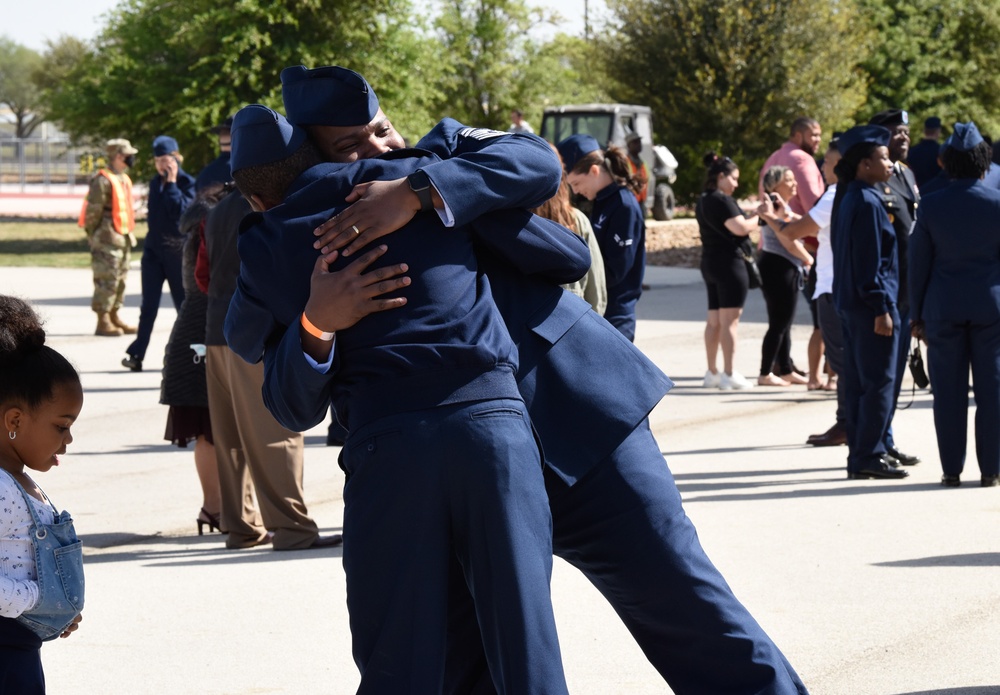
(612, 124)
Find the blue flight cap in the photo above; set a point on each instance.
(576, 147)
(330, 95)
(164, 144)
(964, 137)
(262, 136)
(874, 134)
(932, 123)
(890, 118)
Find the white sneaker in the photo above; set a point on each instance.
(712, 381)
(734, 382)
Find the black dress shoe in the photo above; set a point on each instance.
(133, 363)
(904, 459)
(835, 436)
(880, 469)
(950, 481)
(990, 481)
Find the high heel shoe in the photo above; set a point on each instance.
(204, 517)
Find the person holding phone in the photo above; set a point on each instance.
(170, 193)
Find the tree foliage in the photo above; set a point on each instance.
(731, 75)
(18, 65)
(180, 67)
(936, 59)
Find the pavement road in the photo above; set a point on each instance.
(869, 587)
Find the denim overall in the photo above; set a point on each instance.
(59, 567)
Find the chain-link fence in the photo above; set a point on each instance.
(46, 165)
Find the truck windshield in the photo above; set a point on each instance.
(556, 127)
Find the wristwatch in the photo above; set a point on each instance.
(421, 185)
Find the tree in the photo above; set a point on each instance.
(936, 59)
(17, 89)
(731, 75)
(180, 67)
(492, 65)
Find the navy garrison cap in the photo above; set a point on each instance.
(932, 123)
(964, 137)
(576, 147)
(262, 136)
(329, 95)
(164, 144)
(874, 134)
(890, 118)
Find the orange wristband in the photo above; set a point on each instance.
(313, 331)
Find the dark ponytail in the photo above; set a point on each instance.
(615, 161)
(715, 165)
(846, 171)
(29, 369)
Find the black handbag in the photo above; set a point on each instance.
(917, 370)
(745, 251)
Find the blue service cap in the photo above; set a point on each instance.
(874, 134)
(330, 95)
(576, 147)
(932, 123)
(964, 137)
(164, 144)
(890, 118)
(261, 136)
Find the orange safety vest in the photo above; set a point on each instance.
(122, 214)
(643, 175)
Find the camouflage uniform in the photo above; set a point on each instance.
(109, 250)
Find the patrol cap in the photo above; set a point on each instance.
(330, 95)
(576, 147)
(120, 145)
(932, 123)
(964, 137)
(890, 118)
(875, 134)
(224, 127)
(164, 144)
(262, 136)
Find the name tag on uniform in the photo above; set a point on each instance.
(480, 133)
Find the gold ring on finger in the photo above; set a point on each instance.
(357, 231)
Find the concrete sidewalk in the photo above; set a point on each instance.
(867, 586)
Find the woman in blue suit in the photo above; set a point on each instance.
(955, 300)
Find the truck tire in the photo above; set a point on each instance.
(663, 202)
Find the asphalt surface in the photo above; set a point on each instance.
(867, 586)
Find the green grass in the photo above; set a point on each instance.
(50, 244)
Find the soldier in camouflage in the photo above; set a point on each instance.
(108, 218)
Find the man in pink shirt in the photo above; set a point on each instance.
(799, 154)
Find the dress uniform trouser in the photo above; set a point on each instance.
(902, 359)
(833, 342)
(255, 453)
(624, 527)
(956, 346)
(158, 264)
(869, 382)
(461, 481)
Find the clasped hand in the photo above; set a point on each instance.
(378, 208)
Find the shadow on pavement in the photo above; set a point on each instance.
(191, 551)
(967, 560)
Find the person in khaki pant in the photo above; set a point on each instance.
(108, 218)
(254, 452)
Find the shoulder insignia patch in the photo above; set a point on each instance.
(480, 133)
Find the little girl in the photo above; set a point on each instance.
(41, 560)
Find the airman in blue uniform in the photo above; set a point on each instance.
(955, 292)
(865, 291)
(440, 456)
(617, 514)
(901, 198)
